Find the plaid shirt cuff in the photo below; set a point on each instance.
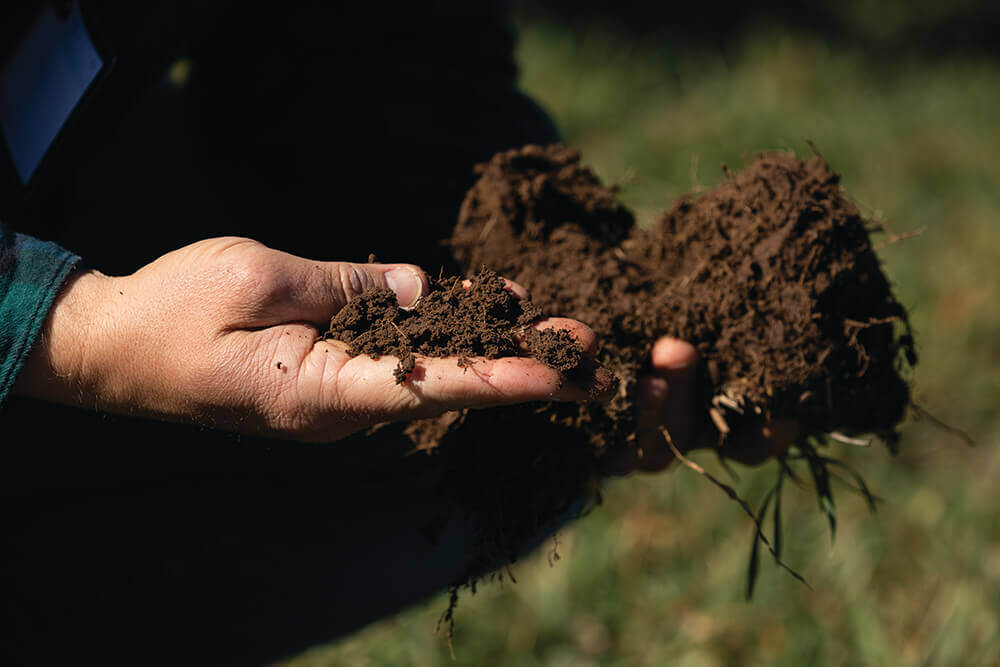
(31, 274)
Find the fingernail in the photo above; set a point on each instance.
(406, 284)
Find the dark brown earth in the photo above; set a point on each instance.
(771, 275)
(481, 319)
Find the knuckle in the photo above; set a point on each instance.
(228, 250)
(229, 243)
(354, 280)
(254, 274)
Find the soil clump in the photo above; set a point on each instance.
(771, 275)
(480, 319)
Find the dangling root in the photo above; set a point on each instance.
(731, 492)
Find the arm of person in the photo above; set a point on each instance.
(225, 333)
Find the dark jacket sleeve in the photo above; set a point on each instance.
(31, 273)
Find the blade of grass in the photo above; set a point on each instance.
(821, 478)
(777, 510)
(754, 566)
(861, 488)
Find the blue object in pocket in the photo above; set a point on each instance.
(41, 84)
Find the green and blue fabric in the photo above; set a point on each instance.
(31, 273)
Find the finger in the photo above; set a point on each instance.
(362, 385)
(583, 334)
(779, 434)
(676, 361)
(664, 399)
(653, 395)
(514, 288)
(310, 291)
(649, 452)
(504, 381)
(671, 355)
(756, 440)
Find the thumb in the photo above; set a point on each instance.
(311, 291)
(351, 280)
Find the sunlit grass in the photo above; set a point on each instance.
(656, 575)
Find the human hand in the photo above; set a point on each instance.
(666, 399)
(224, 332)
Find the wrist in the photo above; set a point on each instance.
(61, 365)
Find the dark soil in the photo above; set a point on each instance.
(482, 319)
(771, 275)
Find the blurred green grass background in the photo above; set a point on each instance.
(657, 574)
